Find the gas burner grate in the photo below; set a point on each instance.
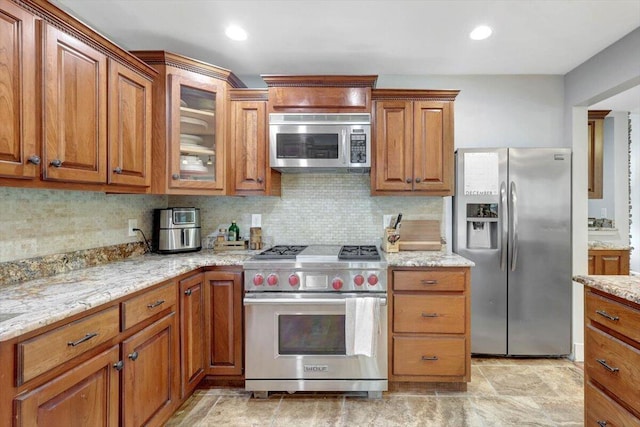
(366, 252)
(281, 252)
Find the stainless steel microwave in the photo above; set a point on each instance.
(310, 142)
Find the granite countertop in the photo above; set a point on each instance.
(610, 246)
(32, 304)
(627, 287)
(426, 259)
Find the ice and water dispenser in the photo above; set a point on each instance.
(482, 225)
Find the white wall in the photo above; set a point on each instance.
(634, 226)
(615, 69)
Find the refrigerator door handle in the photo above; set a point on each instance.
(514, 225)
(504, 232)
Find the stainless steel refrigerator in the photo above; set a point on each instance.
(512, 217)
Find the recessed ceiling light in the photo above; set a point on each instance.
(481, 32)
(235, 33)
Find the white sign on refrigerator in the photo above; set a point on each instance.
(480, 174)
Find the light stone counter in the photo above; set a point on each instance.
(33, 304)
(604, 245)
(627, 287)
(426, 259)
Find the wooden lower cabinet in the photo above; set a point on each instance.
(430, 325)
(612, 360)
(149, 385)
(86, 395)
(609, 262)
(192, 333)
(223, 306)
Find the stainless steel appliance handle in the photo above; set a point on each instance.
(504, 232)
(514, 225)
(344, 146)
(248, 300)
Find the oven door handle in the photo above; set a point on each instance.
(254, 300)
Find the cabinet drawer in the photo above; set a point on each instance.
(621, 375)
(39, 354)
(613, 315)
(429, 280)
(148, 304)
(429, 356)
(429, 313)
(602, 410)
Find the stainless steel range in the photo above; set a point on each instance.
(316, 320)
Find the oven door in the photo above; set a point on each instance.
(302, 337)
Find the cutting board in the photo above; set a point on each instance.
(420, 235)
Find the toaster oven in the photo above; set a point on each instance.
(176, 230)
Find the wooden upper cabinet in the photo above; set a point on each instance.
(129, 127)
(413, 140)
(190, 124)
(309, 93)
(75, 109)
(595, 148)
(250, 172)
(19, 156)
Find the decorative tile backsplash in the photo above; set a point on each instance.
(317, 208)
(313, 208)
(36, 222)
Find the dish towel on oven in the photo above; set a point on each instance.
(362, 325)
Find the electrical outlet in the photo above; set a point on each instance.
(133, 223)
(386, 220)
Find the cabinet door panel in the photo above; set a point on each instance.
(224, 326)
(192, 332)
(149, 387)
(129, 127)
(17, 92)
(394, 147)
(75, 110)
(197, 134)
(250, 145)
(433, 149)
(87, 395)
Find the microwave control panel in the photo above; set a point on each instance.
(358, 148)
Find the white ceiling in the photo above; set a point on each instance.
(413, 37)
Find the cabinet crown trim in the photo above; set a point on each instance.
(284, 80)
(161, 57)
(413, 94)
(246, 94)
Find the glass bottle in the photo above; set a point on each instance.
(234, 232)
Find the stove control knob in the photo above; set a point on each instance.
(294, 280)
(258, 279)
(373, 280)
(272, 280)
(358, 280)
(337, 284)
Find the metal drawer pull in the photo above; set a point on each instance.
(155, 304)
(133, 356)
(429, 282)
(607, 315)
(429, 358)
(602, 423)
(83, 339)
(609, 368)
(430, 315)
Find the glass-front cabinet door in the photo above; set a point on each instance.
(196, 134)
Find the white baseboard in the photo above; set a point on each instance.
(578, 352)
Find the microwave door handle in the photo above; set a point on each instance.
(344, 146)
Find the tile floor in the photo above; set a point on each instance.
(503, 392)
